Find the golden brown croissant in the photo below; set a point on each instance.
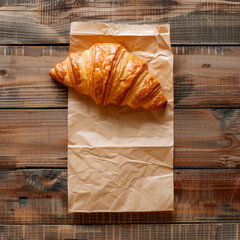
(109, 74)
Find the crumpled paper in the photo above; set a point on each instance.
(121, 159)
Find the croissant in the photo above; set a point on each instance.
(109, 74)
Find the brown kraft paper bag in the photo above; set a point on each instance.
(121, 159)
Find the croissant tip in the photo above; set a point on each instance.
(161, 105)
(52, 73)
(164, 105)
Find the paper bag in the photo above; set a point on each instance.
(121, 159)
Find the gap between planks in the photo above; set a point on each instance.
(67, 45)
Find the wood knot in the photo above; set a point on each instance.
(3, 72)
(22, 201)
(206, 65)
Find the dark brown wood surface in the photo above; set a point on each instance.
(122, 232)
(40, 196)
(192, 21)
(34, 35)
(204, 138)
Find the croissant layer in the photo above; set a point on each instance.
(109, 74)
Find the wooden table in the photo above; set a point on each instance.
(33, 120)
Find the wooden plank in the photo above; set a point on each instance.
(40, 196)
(204, 77)
(33, 138)
(24, 78)
(122, 232)
(204, 138)
(192, 22)
(207, 138)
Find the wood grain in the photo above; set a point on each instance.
(24, 78)
(122, 232)
(204, 138)
(40, 196)
(204, 77)
(207, 138)
(48, 21)
(37, 137)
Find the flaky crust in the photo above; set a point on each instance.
(109, 74)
